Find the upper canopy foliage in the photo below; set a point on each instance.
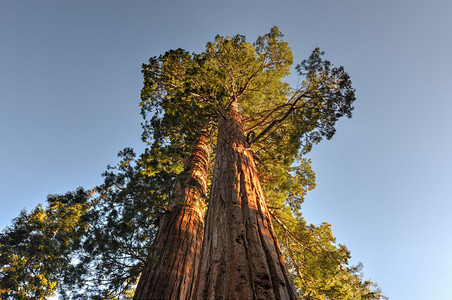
(184, 93)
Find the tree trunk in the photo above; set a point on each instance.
(175, 255)
(241, 258)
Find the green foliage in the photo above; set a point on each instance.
(185, 92)
(36, 249)
(318, 265)
(326, 95)
(123, 222)
(90, 245)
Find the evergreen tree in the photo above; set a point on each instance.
(232, 71)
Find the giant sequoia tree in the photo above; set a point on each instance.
(233, 81)
(226, 132)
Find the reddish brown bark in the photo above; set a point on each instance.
(241, 257)
(170, 273)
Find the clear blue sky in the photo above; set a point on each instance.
(69, 92)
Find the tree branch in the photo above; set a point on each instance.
(272, 124)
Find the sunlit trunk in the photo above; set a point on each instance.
(175, 255)
(241, 257)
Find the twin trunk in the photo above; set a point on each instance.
(241, 258)
(170, 272)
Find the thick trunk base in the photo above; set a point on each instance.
(241, 256)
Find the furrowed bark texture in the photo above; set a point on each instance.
(241, 257)
(175, 257)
